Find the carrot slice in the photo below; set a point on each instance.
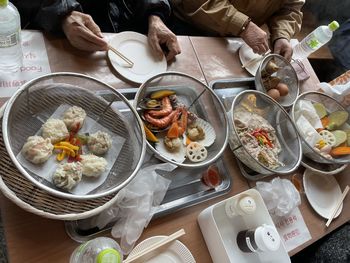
(173, 131)
(149, 135)
(325, 121)
(341, 150)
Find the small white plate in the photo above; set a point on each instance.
(175, 252)
(246, 54)
(323, 192)
(136, 48)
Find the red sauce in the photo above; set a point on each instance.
(212, 177)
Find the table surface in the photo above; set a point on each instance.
(31, 238)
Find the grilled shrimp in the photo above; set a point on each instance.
(166, 109)
(162, 122)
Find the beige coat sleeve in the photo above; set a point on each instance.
(214, 15)
(286, 22)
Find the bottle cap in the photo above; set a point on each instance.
(334, 25)
(267, 238)
(109, 255)
(3, 3)
(247, 205)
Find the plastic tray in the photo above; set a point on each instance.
(220, 232)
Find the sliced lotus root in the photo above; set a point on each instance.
(328, 137)
(196, 152)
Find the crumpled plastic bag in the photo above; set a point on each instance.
(135, 205)
(339, 92)
(280, 196)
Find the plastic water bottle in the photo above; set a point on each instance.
(10, 37)
(98, 250)
(314, 40)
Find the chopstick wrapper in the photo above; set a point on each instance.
(136, 204)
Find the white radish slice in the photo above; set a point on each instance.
(196, 152)
(328, 137)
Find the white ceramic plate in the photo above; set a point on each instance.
(175, 252)
(246, 54)
(136, 48)
(323, 192)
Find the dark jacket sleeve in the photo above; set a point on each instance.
(44, 14)
(146, 8)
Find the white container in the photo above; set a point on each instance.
(98, 250)
(314, 40)
(220, 232)
(11, 55)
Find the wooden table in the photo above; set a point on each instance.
(31, 238)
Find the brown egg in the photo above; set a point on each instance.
(274, 93)
(282, 88)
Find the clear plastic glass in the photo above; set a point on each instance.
(98, 250)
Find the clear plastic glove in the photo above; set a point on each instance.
(83, 33)
(283, 48)
(136, 204)
(256, 38)
(280, 196)
(158, 35)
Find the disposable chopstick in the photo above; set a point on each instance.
(257, 59)
(123, 57)
(156, 245)
(340, 201)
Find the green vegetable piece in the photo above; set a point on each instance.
(348, 134)
(340, 137)
(320, 110)
(337, 119)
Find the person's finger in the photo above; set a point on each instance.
(287, 54)
(174, 49)
(83, 44)
(90, 37)
(155, 45)
(90, 24)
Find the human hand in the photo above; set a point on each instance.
(159, 34)
(256, 38)
(283, 48)
(83, 33)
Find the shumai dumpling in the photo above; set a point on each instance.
(67, 175)
(55, 130)
(99, 142)
(37, 149)
(93, 166)
(74, 118)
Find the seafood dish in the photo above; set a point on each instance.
(99, 142)
(67, 175)
(55, 130)
(176, 132)
(258, 137)
(37, 149)
(328, 133)
(74, 117)
(75, 153)
(93, 166)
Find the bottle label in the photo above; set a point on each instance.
(9, 40)
(312, 42)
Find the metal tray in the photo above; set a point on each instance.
(227, 90)
(186, 189)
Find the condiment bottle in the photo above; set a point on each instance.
(244, 205)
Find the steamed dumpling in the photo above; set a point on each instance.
(74, 117)
(99, 142)
(55, 130)
(93, 166)
(67, 175)
(37, 149)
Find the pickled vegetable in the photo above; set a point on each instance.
(320, 110)
(337, 119)
(340, 137)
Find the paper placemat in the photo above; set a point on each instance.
(35, 64)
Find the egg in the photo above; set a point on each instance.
(282, 88)
(274, 93)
